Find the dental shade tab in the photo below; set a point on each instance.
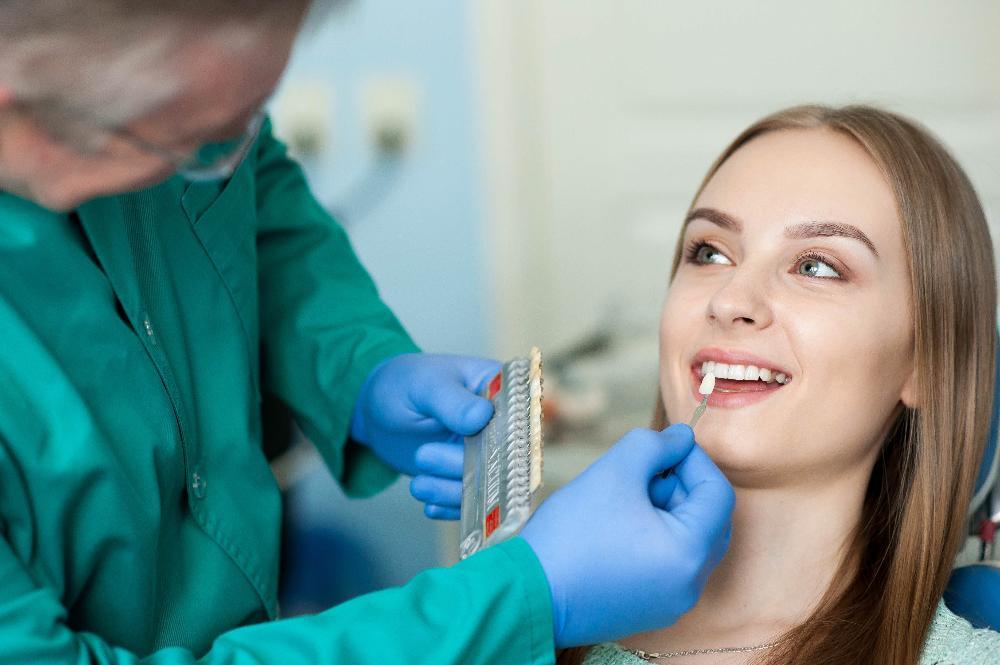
(706, 388)
(503, 463)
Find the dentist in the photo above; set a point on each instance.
(163, 266)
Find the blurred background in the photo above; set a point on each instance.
(515, 172)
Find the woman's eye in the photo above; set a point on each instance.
(706, 254)
(813, 267)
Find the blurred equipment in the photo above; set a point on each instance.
(974, 588)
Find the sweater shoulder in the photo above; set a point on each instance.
(953, 641)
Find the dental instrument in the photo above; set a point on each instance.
(706, 388)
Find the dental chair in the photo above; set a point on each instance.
(973, 592)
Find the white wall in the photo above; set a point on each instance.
(602, 116)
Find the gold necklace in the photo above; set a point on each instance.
(647, 656)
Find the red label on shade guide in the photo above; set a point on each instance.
(493, 521)
(495, 385)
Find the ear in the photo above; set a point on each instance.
(909, 394)
(6, 96)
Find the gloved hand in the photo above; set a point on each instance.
(625, 550)
(413, 412)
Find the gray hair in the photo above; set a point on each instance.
(109, 60)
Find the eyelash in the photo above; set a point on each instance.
(694, 246)
(692, 249)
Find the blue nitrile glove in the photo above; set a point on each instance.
(625, 550)
(413, 412)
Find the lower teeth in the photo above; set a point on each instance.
(724, 390)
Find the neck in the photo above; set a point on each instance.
(786, 548)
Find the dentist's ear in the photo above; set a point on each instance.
(909, 395)
(6, 97)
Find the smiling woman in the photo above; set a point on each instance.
(835, 273)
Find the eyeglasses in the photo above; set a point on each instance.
(210, 162)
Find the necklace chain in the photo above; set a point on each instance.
(647, 656)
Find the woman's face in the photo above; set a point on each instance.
(794, 269)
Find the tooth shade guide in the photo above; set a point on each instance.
(706, 388)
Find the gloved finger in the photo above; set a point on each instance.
(446, 460)
(478, 372)
(440, 491)
(451, 399)
(648, 452)
(718, 549)
(709, 504)
(666, 493)
(677, 498)
(721, 546)
(661, 488)
(442, 513)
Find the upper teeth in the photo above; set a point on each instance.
(743, 372)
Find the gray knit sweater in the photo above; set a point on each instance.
(950, 641)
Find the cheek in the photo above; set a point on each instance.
(867, 346)
(679, 322)
(685, 304)
(854, 371)
(61, 178)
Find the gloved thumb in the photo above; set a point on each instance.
(453, 401)
(666, 492)
(648, 452)
(708, 506)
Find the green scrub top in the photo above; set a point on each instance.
(139, 519)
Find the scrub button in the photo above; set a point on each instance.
(198, 485)
(148, 327)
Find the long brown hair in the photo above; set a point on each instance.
(915, 512)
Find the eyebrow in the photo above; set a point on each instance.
(797, 231)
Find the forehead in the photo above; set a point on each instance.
(217, 82)
(800, 175)
(227, 66)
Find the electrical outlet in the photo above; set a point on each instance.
(303, 117)
(391, 107)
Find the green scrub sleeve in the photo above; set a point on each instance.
(492, 608)
(323, 325)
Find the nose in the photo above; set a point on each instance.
(741, 302)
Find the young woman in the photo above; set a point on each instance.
(836, 273)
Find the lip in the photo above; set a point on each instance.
(735, 358)
(760, 390)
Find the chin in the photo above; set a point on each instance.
(737, 453)
(56, 201)
(156, 178)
